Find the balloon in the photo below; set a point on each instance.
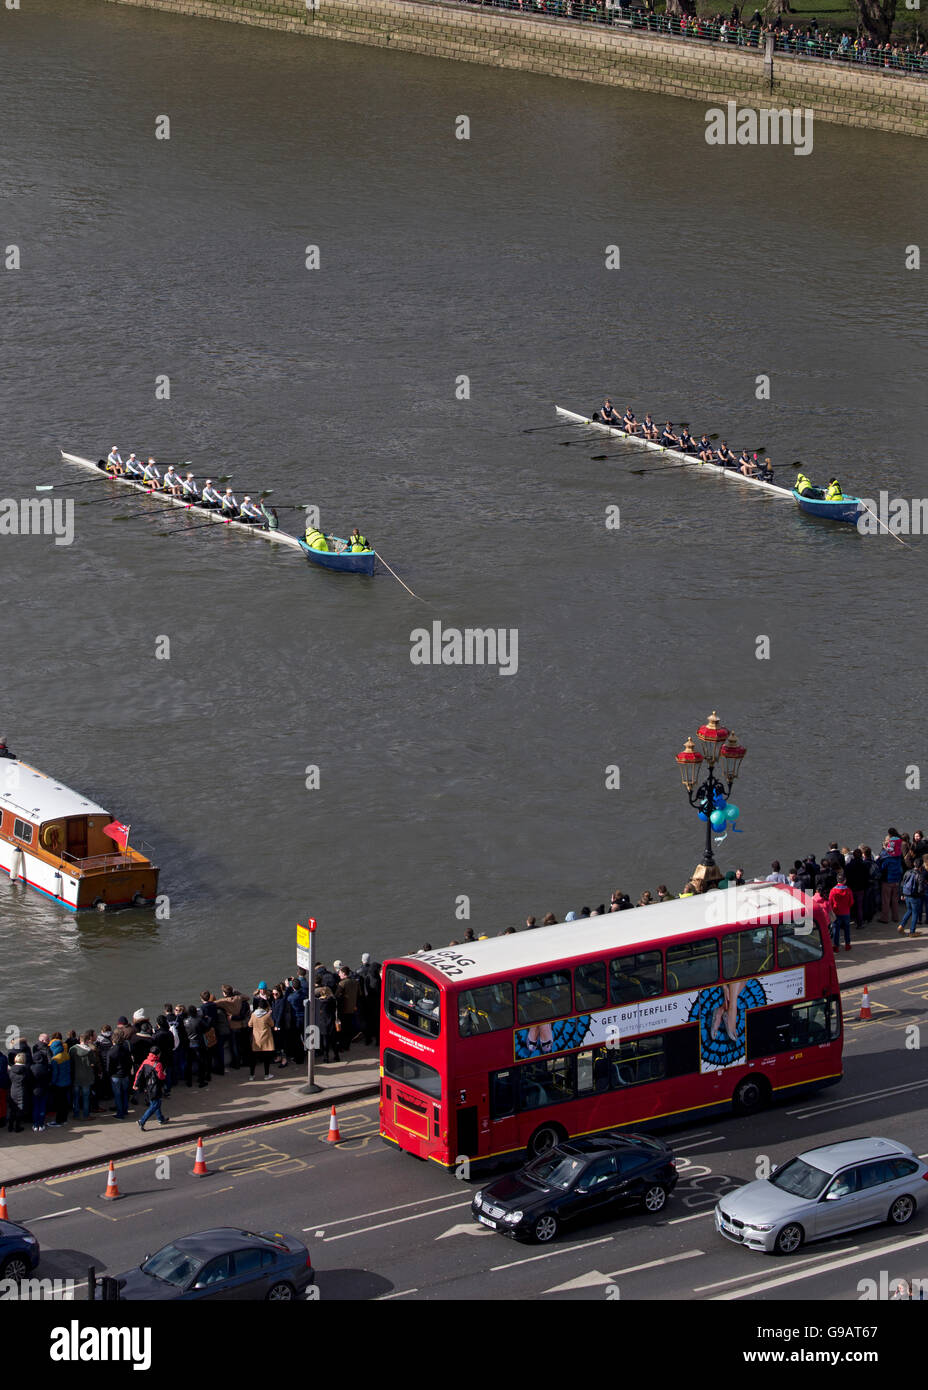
(719, 800)
(703, 816)
(732, 812)
(718, 820)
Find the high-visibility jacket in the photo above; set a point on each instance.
(834, 493)
(803, 485)
(316, 540)
(358, 542)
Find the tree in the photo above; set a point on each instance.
(877, 18)
(680, 7)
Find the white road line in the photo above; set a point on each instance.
(50, 1216)
(595, 1276)
(382, 1298)
(872, 1254)
(739, 1278)
(383, 1211)
(564, 1250)
(680, 1148)
(436, 1211)
(700, 1216)
(700, 1134)
(830, 1105)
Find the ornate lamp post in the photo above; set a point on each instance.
(720, 749)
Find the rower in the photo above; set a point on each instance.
(706, 450)
(608, 414)
(648, 428)
(315, 539)
(114, 463)
(171, 482)
(227, 503)
(5, 752)
(358, 542)
(668, 438)
(152, 473)
(833, 492)
(724, 455)
(249, 513)
(686, 441)
(629, 423)
(134, 467)
(765, 471)
(189, 489)
(803, 486)
(747, 466)
(211, 497)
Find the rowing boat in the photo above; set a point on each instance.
(205, 512)
(843, 509)
(347, 560)
(784, 493)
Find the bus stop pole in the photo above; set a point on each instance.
(310, 1034)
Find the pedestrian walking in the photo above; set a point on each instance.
(150, 1081)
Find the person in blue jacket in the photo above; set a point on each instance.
(60, 1094)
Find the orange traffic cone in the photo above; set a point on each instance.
(3, 1211)
(333, 1136)
(865, 1004)
(112, 1191)
(199, 1169)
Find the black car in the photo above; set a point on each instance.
(19, 1251)
(580, 1180)
(221, 1264)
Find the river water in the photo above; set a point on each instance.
(439, 258)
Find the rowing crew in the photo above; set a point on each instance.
(185, 488)
(684, 443)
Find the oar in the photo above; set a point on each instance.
(396, 576)
(186, 530)
(187, 506)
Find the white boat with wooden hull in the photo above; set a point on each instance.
(204, 514)
(54, 840)
(731, 474)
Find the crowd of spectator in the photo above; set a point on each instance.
(66, 1076)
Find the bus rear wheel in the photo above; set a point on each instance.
(751, 1095)
(545, 1138)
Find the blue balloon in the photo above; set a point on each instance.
(703, 816)
(718, 820)
(732, 812)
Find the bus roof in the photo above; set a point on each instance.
(540, 946)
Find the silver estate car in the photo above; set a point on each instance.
(824, 1192)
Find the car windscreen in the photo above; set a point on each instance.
(172, 1265)
(800, 1179)
(558, 1172)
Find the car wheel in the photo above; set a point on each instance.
(546, 1138)
(15, 1267)
(789, 1239)
(750, 1095)
(545, 1228)
(902, 1210)
(655, 1198)
(280, 1293)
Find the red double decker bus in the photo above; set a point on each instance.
(509, 1045)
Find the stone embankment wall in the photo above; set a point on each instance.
(710, 73)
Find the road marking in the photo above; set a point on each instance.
(739, 1278)
(103, 1214)
(397, 1222)
(214, 1192)
(383, 1211)
(466, 1228)
(382, 1298)
(827, 1106)
(680, 1148)
(562, 1250)
(699, 1216)
(50, 1216)
(585, 1281)
(873, 1253)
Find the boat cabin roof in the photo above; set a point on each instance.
(28, 793)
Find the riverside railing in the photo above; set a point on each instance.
(788, 43)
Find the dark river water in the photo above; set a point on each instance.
(439, 259)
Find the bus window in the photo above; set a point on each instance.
(593, 1072)
(590, 986)
(634, 1062)
(692, 963)
(681, 1051)
(543, 996)
(769, 1030)
(747, 953)
(636, 976)
(484, 1010)
(548, 1082)
(798, 943)
(810, 1024)
(412, 1072)
(413, 1000)
(502, 1094)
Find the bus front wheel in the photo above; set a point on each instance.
(545, 1138)
(751, 1095)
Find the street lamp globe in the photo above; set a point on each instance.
(689, 763)
(712, 736)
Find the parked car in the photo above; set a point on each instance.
(19, 1251)
(221, 1264)
(824, 1192)
(579, 1180)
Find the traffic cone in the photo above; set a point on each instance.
(333, 1136)
(199, 1169)
(112, 1191)
(4, 1215)
(865, 1004)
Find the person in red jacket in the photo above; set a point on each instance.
(841, 902)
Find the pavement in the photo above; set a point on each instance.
(232, 1101)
